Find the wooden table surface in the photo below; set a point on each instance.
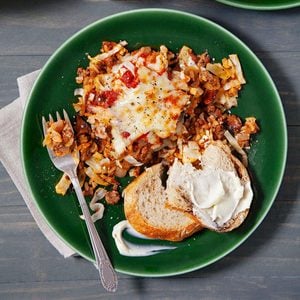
(266, 266)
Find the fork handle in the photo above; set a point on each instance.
(107, 273)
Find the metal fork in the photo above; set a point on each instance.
(68, 165)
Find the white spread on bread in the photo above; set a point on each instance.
(217, 195)
(129, 249)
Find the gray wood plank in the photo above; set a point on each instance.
(227, 287)
(13, 67)
(46, 25)
(9, 195)
(266, 266)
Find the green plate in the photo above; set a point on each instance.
(53, 91)
(262, 4)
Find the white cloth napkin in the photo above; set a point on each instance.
(10, 124)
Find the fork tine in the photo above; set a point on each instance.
(58, 116)
(45, 128)
(50, 118)
(66, 117)
(44, 123)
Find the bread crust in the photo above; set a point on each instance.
(142, 225)
(234, 222)
(152, 176)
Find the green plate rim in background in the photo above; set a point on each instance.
(53, 80)
(263, 4)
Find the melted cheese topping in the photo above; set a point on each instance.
(154, 104)
(148, 107)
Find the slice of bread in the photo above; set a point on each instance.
(146, 210)
(170, 213)
(217, 156)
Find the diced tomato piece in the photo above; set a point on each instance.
(144, 55)
(129, 79)
(125, 134)
(110, 97)
(105, 99)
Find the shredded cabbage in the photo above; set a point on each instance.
(233, 142)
